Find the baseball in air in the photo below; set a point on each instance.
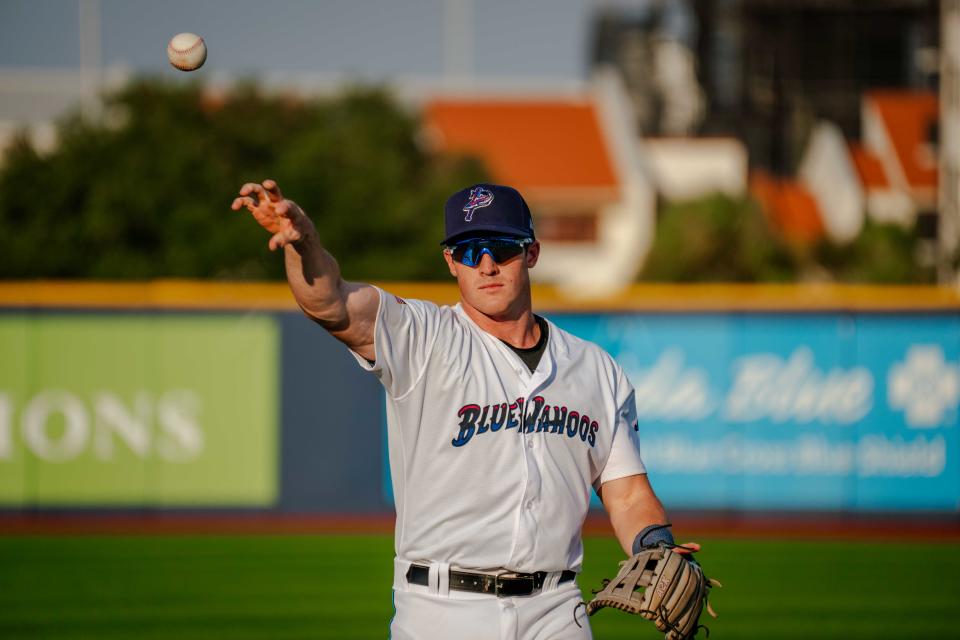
(187, 51)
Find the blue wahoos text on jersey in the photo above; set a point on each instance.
(536, 415)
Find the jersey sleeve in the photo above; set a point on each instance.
(404, 335)
(624, 459)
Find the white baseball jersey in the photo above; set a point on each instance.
(493, 466)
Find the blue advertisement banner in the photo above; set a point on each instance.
(792, 411)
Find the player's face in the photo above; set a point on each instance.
(498, 290)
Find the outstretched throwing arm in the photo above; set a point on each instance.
(347, 310)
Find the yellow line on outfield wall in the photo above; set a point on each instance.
(274, 296)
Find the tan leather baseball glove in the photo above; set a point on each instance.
(660, 585)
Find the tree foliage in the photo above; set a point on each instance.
(144, 190)
(719, 239)
(881, 254)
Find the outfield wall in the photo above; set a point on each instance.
(197, 395)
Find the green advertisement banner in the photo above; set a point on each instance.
(153, 410)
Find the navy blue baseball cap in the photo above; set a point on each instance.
(486, 209)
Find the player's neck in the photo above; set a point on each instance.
(518, 328)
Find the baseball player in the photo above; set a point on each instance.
(500, 425)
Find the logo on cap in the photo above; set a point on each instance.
(479, 198)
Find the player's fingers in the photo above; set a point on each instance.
(283, 238)
(276, 241)
(244, 201)
(261, 193)
(291, 234)
(273, 190)
(251, 188)
(686, 548)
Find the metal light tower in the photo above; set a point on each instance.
(949, 192)
(90, 56)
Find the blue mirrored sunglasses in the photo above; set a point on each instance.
(470, 252)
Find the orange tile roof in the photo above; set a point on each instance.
(789, 206)
(908, 116)
(534, 145)
(869, 167)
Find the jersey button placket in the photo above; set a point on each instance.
(531, 523)
(524, 550)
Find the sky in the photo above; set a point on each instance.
(369, 39)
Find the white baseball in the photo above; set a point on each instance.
(187, 51)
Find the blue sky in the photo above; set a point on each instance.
(370, 39)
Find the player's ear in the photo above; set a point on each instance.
(533, 254)
(450, 264)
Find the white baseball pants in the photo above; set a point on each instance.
(435, 612)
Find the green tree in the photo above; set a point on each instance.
(881, 254)
(144, 191)
(717, 239)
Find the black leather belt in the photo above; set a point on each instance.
(503, 585)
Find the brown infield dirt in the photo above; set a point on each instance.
(686, 525)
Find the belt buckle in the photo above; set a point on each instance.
(514, 577)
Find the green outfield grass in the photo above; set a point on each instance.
(339, 587)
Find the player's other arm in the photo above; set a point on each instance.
(347, 310)
(633, 507)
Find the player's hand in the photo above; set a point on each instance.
(687, 548)
(281, 217)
